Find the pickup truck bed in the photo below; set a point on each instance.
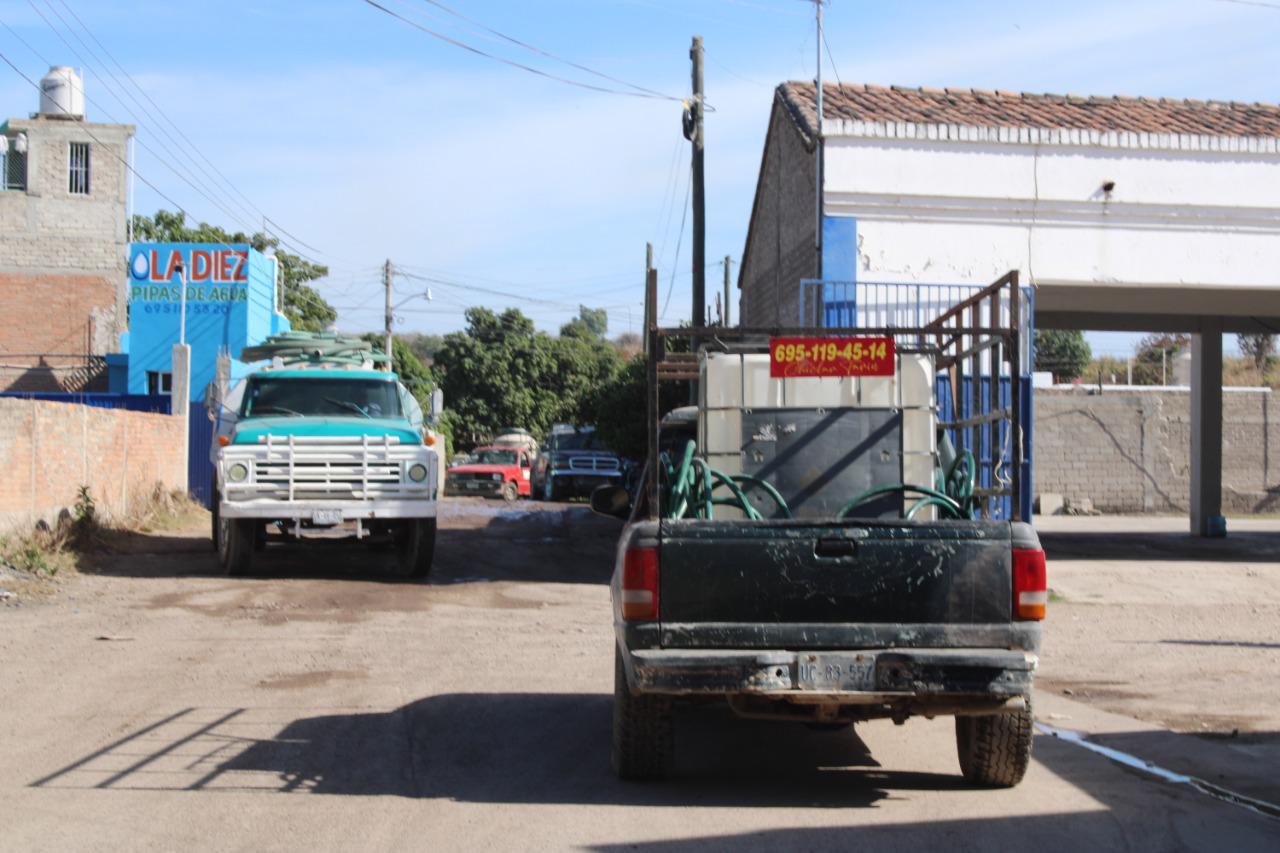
(827, 622)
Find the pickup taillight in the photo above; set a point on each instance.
(1030, 584)
(640, 584)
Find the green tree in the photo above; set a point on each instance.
(303, 305)
(1063, 353)
(502, 372)
(1153, 365)
(590, 323)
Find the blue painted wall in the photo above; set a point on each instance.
(230, 305)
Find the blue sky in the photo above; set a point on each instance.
(367, 139)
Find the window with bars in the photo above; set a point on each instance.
(14, 167)
(78, 168)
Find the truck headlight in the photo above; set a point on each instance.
(238, 472)
(497, 476)
(417, 472)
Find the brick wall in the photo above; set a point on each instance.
(780, 248)
(1130, 451)
(48, 450)
(51, 324)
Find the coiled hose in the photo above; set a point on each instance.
(693, 485)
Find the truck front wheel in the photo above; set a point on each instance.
(995, 749)
(235, 544)
(643, 734)
(416, 546)
(510, 491)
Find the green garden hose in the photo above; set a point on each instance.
(692, 485)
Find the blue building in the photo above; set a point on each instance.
(233, 301)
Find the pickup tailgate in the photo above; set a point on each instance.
(773, 573)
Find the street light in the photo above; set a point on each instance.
(424, 295)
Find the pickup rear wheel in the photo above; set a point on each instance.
(995, 749)
(235, 544)
(415, 547)
(643, 735)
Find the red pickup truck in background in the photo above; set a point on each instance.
(496, 472)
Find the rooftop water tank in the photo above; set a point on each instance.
(62, 93)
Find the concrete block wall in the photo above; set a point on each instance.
(780, 251)
(1129, 451)
(48, 450)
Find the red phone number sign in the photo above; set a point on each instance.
(794, 357)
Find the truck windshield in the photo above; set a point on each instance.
(585, 440)
(269, 396)
(496, 457)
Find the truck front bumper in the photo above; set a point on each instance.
(858, 676)
(306, 510)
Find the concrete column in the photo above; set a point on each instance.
(1206, 430)
(181, 400)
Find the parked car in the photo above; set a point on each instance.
(496, 472)
(572, 463)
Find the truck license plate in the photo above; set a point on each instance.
(473, 485)
(326, 517)
(824, 672)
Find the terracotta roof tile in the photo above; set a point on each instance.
(1001, 108)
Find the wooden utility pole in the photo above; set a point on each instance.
(649, 272)
(390, 318)
(727, 265)
(699, 196)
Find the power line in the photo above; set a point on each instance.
(478, 52)
(1261, 3)
(832, 59)
(547, 54)
(213, 186)
(675, 263)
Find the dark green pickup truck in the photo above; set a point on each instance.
(737, 576)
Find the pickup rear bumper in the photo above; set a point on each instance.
(853, 677)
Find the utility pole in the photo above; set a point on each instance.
(648, 271)
(727, 264)
(386, 283)
(817, 146)
(699, 195)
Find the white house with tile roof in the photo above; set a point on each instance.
(1122, 213)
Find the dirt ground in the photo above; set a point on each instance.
(154, 704)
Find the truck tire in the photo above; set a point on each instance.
(213, 517)
(995, 749)
(510, 491)
(643, 735)
(550, 492)
(415, 547)
(235, 546)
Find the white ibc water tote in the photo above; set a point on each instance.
(62, 93)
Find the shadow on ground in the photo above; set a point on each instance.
(552, 748)
(476, 542)
(1247, 546)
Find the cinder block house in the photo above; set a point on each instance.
(63, 249)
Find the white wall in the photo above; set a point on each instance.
(958, 210)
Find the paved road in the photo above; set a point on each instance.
(158, 707)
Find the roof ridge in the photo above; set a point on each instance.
(951, 90)
(972, 107)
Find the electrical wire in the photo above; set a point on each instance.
(547, 54)
(212, 187)
(675, 263)
(511, 62)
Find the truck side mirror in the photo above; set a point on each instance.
(612, 501)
